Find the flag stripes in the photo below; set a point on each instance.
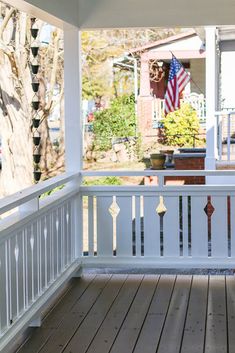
(178, 79)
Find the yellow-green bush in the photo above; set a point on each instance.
(181, 127)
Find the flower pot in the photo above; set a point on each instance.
(37, 175)
(35, 105)
(36, 158)
(167, 152)
(35, 86)
(36, 123)
(169, 157)
(34, 32)
(157, 160)
(34, 69)
(36, 140)
(34, 51)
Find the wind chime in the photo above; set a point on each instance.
(35, 100)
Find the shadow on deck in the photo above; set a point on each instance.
(141, 314)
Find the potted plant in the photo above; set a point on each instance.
(169, 156)
(157, 160)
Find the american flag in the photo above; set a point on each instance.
(178, 79)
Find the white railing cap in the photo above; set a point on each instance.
(32, 192)
(224, 112)
(161, 173)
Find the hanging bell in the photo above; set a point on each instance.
(35, 105)
(37, 175)
(36, 123)
(34, 69)
(34, 50)
(34, 32)
(36, 158)
(35, 86)
(36, 140)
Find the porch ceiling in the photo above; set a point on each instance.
(135, 13)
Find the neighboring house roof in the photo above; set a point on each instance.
(166, 41)
(186, 45)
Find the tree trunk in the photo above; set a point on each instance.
(15, 102)
(15, 132)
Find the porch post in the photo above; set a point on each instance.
(145, 99)
(211, 98)
(72, 99)
(73, 122)
(144, 77)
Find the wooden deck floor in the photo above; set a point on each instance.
(141, 314)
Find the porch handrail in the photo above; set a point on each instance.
(32, 192)
(197, 101)
(158, 173)
(224, 112)
(162, 186)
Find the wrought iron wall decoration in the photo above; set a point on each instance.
(34, 63)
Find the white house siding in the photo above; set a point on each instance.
(197, 71)
(228, 79)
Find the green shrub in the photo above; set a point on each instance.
(114, 122)
(50, 192)
(181, 127)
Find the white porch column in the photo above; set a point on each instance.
(73, 121)
(211, 98)
(72, 98)
(144, 77)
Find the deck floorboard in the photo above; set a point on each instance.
(140, 314)
(107, 333)
(171, 337)
(153, 325)
(216, 329)
(194, 331)
(230, 282)
(56, 316)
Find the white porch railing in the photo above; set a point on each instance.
(42, 243)
(39, 251)
(163, 226)
(197, 101)
(226, 135)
